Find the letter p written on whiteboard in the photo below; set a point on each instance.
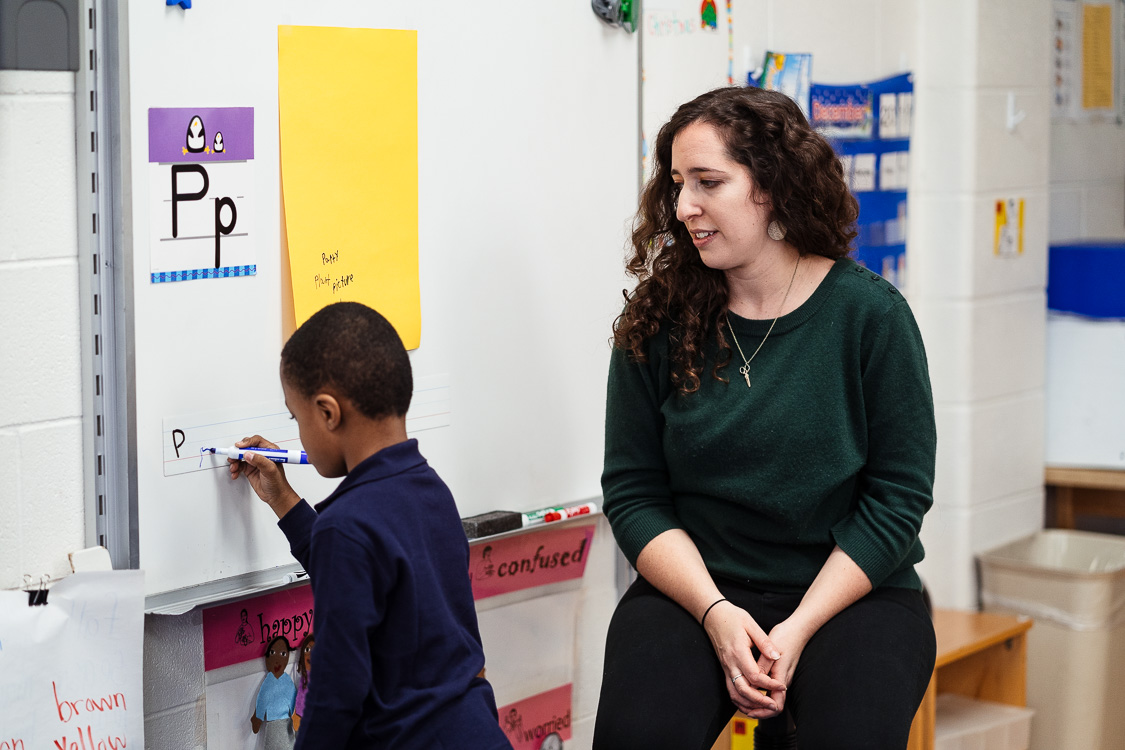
(184, 436)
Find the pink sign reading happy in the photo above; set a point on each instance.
(238, 632)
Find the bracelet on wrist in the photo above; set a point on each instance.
(703, 620)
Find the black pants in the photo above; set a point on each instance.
(858, 683)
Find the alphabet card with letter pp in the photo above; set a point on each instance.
(201, 170)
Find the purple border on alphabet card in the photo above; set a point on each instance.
(168, 127)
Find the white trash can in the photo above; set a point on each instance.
(1073, 584)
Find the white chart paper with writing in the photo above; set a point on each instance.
(70, 670)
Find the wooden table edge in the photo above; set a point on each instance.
(1005, 632)
(1073, 476)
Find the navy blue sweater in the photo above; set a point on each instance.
(397, 645)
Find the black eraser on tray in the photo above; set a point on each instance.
(494, 522)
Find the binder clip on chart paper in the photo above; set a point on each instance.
(36, 597)
(621, 13)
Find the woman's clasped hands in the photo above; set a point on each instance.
(756, 687)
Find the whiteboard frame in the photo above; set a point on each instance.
(110, 407)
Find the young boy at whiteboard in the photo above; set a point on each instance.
(398, 649)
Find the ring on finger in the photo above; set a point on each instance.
(735, 678)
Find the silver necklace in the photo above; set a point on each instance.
(745, 369)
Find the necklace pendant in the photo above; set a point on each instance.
(745, 370)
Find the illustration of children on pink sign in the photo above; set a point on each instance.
(276, 699)
(245, 633)
(304, 666)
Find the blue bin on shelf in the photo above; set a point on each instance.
(1087, 277)
(1085, 402)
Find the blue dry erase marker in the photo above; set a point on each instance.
(277, 456)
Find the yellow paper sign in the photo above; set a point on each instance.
(1008, 238)
(1097, 57)
(348, 115)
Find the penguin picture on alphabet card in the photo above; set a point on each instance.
(196, 141)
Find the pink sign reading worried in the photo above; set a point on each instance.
(530, 722)
(526, 560)
(240, 631)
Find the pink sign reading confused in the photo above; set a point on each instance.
(528, 723)
(525, 560)
(240, 631)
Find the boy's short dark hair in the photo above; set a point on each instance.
(356, 353)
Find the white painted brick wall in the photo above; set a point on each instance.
(987, 431)
(984, 348)
(41, 478)
(11, 554)
(1087, 171)
(954, 536)
(38, 201)
(982, 316)
(963, 219)
(39, 356)
(175, 704)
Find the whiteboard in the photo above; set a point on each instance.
(528, 158)
(683, 58)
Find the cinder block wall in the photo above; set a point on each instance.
(175, 701)
(982, 316)
(41, 476)
(1087, 180)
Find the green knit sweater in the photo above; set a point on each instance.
(833, 445)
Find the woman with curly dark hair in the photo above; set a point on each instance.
(770, 447)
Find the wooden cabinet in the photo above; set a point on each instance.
(979, 655)
(1095, 492)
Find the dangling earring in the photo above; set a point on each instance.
(775, 231)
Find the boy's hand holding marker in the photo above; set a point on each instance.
(265, 476)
